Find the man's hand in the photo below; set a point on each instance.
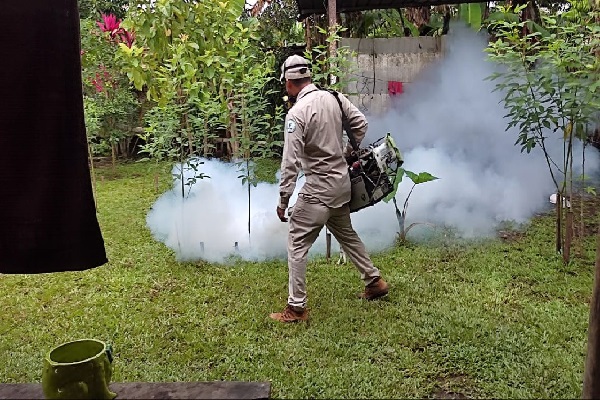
(351, 158)
(281, 214)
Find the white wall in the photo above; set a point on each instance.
(381, 60)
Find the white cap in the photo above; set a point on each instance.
(295, 67)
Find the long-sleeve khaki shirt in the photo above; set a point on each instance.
(313, 143)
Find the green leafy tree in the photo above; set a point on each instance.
(191, 53)
(109, 100)
(256, 125)
(550, 85)
(191, 57)
(278, 25)
(279, 32)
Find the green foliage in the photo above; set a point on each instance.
(188, 173)
(196, 55)
(389, 23)
(550, 81)
(417, 179)
(185, 49)
(472, 14)
(324, 66)
(164, 140)
(92, 9)
(206, 120)
(278, 31)
(109, 102)
(278, 25)
(379, 24)
(255, 125)
(421, 177)
(161, 133)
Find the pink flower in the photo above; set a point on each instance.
(98, 84)
(109, 24)
(127, 37)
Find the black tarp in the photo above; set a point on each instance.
(47, 214)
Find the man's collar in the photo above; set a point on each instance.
(306, 89)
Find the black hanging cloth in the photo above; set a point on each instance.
(47, 215)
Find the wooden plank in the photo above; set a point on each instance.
(157, 390)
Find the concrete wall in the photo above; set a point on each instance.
(379, 61)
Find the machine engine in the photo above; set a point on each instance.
(375, 173)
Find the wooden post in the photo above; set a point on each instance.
(328, 242)
(307, 34)
(591, 375)
(201, 247)
(332, 17)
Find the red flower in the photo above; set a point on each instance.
(109, 24)
(127, 37)
(97, 84)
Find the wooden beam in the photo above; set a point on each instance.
(157, 390)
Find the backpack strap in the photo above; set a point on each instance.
(345, 123)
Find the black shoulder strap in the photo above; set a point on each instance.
(345, 124)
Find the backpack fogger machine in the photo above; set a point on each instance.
(375, 173)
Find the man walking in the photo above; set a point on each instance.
(314, 143)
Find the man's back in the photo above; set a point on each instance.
(319, 118)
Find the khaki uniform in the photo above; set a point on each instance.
(314, 144)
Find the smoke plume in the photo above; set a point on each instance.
(449, 123)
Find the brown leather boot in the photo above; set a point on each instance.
(290, 315)
(375, 290)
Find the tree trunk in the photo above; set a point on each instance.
(307, 35)
(591, 377)
(419, 16)
(113, 156)
(205, 140)
(530, 13)
(190, 136)
(233, 132)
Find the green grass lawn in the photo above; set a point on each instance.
(496, 318)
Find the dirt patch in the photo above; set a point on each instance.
(510, 235)
(586, 218)
(452, 387)
(100, 162)
(586, 208)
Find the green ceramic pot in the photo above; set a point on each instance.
(78, 370)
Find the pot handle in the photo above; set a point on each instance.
(109, 352)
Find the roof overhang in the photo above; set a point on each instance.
(310, 7)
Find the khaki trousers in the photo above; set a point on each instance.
(308, 217)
